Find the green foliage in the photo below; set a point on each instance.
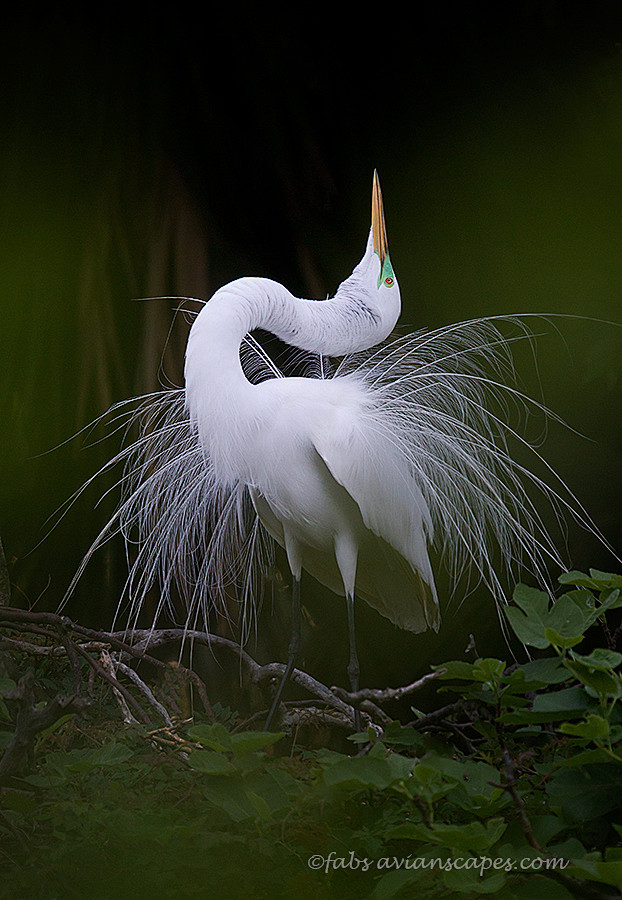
(524, 768)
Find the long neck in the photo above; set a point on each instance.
(220, 399)
(333, 327)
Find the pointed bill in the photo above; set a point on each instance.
(378, 226)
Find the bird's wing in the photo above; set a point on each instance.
(269, 520)
(394, 573)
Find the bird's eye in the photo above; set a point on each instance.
(388, 281)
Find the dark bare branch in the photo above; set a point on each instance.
(387, 694)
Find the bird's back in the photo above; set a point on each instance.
(333, 477)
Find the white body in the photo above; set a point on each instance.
(335, 493)
(354, 474)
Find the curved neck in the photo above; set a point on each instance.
(221, 401)
(334, 327)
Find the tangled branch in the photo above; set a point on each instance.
(112, 657)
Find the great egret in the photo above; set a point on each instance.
(355, 472)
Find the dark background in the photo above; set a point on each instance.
(168, 154)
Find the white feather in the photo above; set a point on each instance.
(401, 448)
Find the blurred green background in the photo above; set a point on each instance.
(160, 155)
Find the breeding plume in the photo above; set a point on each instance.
(389, 449)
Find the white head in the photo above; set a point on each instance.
(372, 291)
(362, 313)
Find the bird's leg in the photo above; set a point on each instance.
(353, 665)
(293, 652)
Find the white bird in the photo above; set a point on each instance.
(356, 473)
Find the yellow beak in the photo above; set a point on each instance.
(378, 226)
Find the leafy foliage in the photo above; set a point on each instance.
(523, 767)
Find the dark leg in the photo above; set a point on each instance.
(294, 650)
(353, 665)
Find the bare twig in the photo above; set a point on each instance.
(375, 713)
(519, 803)
(141, 640)
(438, 714)
(314, 716)
(147, 639)
(73, 656)
(310, 684)
(107, 673)
(41, 650)
(145, 690)
(386, 694)
(137, 644)
(107, 669)
(36, 623)
(168, 739)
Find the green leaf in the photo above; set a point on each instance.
(489, 669)
(216, 736)
(572, 613)
(19, 801)
(591, 729)
(250, 741)
(238, 797)
(602, 682)
(471, 880)
(472, 836)
(586, 757)
(587, 792)
(474, 777)
(580, 579)
(545, 828)
(568, 617)
(211, 762)
(530, 615)
(610, 600)
(595, 870)
(392, 882)
(259, 805)
(109, 755)
(364, 737)
(397, 735)
(600, 659)
(457, 668)
(557, 640)
(572, 702)
(606, 579)
(486, 671)
(53, 727)
(428, 783)
(566, 700)
(545, 671)
(367, 771)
